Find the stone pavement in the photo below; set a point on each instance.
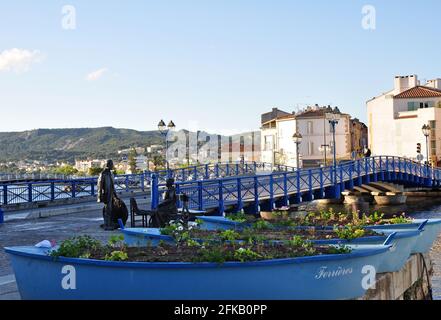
(436, 278)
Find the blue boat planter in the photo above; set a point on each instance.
(430, 228)
(221, 223)
(402, 243)
(325, 277)
(141, 237)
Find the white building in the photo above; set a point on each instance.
(269, 136)
(85, 165)
(396, 118)
(313, 124)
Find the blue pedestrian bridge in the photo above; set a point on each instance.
(250, 186)
(283, 186)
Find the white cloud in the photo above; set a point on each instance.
(19, 60)
(95, 75)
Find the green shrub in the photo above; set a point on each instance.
(244, 255)
(229, 235)
(77, 247)
(400, 219)
(116, 256)
(339, 250)
(349, 232)
(261, 225)
(237, 217)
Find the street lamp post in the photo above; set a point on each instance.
(333, 121)
(164, 130)
(297, 138)
(426, 132)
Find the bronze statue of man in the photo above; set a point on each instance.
(167, 209)
(170, 198)
(106, 193)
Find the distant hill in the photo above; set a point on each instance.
(68, 144)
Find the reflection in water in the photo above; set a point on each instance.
(417, 208)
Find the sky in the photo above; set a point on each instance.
(211, 65)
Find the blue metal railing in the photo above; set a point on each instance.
(215, 171)
(55, 189)
(43, 191)
(297, 186)
(5, 177)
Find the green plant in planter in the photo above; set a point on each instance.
(250, 236)
(229, 235)
(278, 214)
(169, 230)
(116, 241)
(244, 255)
(209, 253)
(349, 232)
(286, 223)
(372, 219)
(116, 256)
(199, 222)
(326, 215)
(299, 242)
(261, 225)
(339, 250)
(308, 219)
(238, 217)
(77, 247)
(401, 219)
(177, 231)
(295, 241)
(192, 243)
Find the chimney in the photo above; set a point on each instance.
(403, 83)
(436, 84)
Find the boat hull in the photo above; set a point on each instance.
(428, 236)
(327, 277)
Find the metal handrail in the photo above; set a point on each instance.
(324, 181)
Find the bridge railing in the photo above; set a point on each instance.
(51, 190)
(215, 171)
(281, 186)
(43, 191)
(31, 176)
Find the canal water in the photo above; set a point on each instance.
(416, 208)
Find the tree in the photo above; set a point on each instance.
(66, 170)
(94, 171)
(158, 161)
(132, 160)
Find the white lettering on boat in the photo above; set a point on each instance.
(69, 281)
(369, 280)
(325, 273)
